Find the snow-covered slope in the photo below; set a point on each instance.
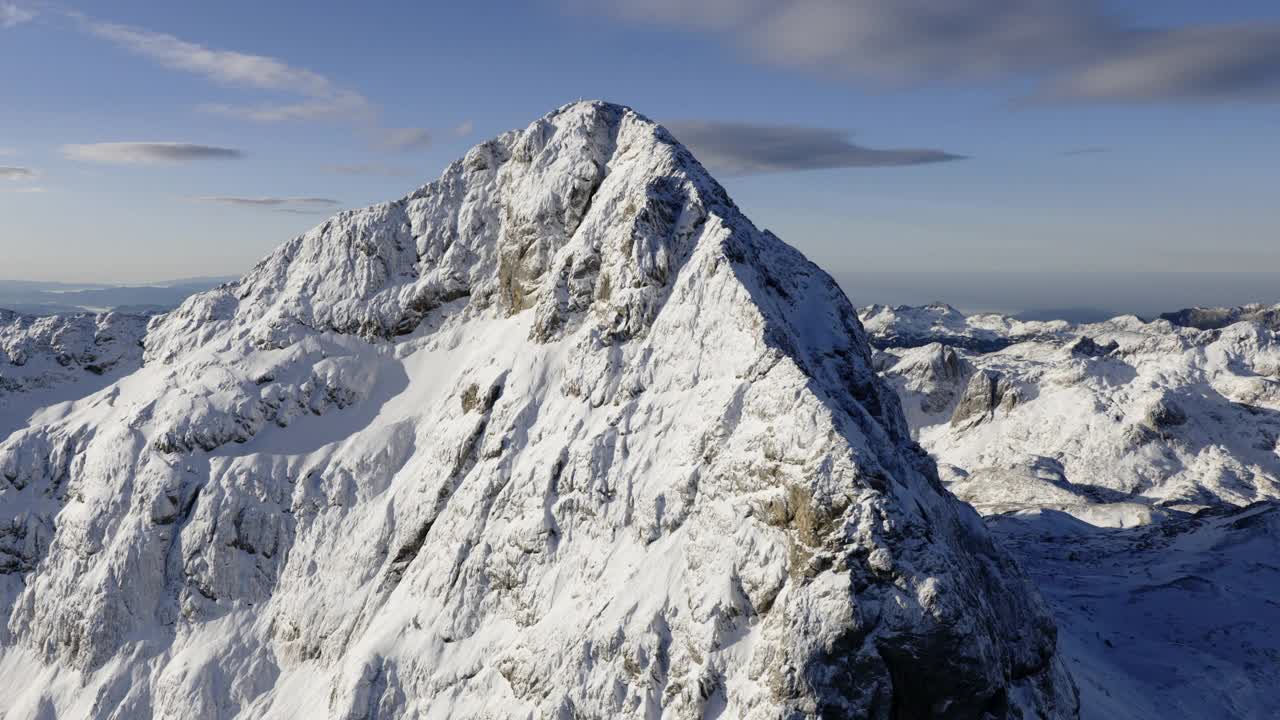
(1125, 410)
(1085, 447)
(54, 359)
(1172, 620)
(559, 435)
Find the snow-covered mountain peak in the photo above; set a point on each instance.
(591, 207)
(561, 434)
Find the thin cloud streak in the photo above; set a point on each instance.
(743, 149)
(1079, 49)
(324, 98)
(16, 173)
(273, 202)
(313, 95)
(300, 211)
(403, 139)
(369, 169)
(147, 153)
(12, 15)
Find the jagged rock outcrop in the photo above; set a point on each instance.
(987, 392)
(559, 435)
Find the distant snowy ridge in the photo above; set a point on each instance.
(1125, 410)
(559, 435)
(53, 359)
(1217, 318)
(1132, 469)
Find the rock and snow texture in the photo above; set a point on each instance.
(559, 435)
(1172, 620)
(1120, 462)
(53, 359)
(1146, 413)
(1217, 318)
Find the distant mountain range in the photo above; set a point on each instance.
(51, 298)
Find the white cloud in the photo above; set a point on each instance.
(1080, 48)
(1231, 61)
(302, 94)
(743, 149)
(293, 205)
(147, 153)
(404, 139)
(268, 201)
(16, 173)
(323, 98)
(12, 15)
(366, 169)
(338, 106)
(464, 129)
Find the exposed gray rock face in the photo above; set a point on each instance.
(987, 392)
(559, 435)
(1086, 347)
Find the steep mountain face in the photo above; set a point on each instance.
(1141, 415)
(559, 435)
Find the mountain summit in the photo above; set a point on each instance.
(559, 435)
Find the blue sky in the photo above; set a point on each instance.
(1119, 136)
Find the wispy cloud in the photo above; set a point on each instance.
(297, 205)
(741, 149)
(321, 97)
(12, 15)
(26, 189)
(366, 169)
(147, 153)
(1086, 151)
(300, 211)
(464, 128)
(16, 173)
(402, 139)
(1078, 48)
(1196, 63)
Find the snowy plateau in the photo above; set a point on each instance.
(563, 435)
